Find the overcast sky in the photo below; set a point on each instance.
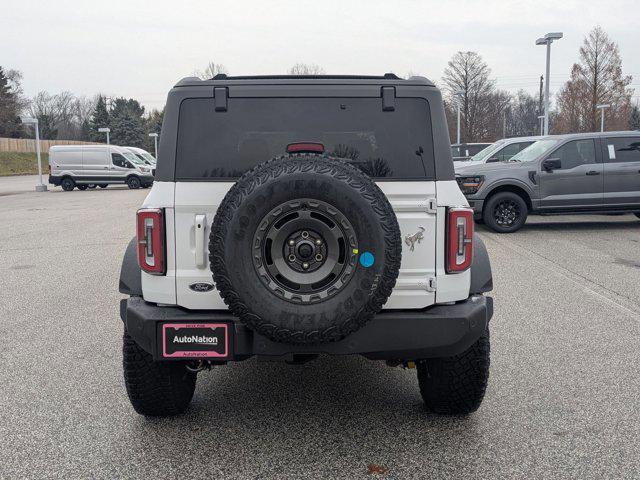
(140, 49)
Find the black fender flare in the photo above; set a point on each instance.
(481, 277)
(130, 273)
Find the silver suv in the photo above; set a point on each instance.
(576, 173)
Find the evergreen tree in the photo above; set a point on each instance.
(10, 125)
(127, 130)
(99, 119)
(129, 105)
(153, 124)
(634, 118)
(127, 123)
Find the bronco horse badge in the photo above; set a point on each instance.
(417, 237)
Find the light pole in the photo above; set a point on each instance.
(547, 40)
(541, 118)
(601, 107)
(41, 187)
(105, 130)
(155, 143)
(459, 94)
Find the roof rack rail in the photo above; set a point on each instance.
(386, 76)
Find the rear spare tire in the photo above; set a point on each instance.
(305, 249)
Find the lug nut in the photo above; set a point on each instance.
(318, 258)
(305, 265)
(292, 242)
(305, 234)
(318, 242)
(292, 258)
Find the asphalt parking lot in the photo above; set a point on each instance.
(563, 399)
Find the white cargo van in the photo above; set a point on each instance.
(87, 166)
(143, 155)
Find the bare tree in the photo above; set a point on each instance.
(306, 69)
(493, 123)
(467, 72)
(596, 79)
(211, 70)
(62, 116)
(522, 115)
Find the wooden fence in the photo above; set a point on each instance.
(28, 145)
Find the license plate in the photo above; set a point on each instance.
(195, 340)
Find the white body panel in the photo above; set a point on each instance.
(96, 161)
(162, 289)
(450, 287)
(191, 206)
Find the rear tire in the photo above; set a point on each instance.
(456, 385)
(155, 389)
(92, 186)
(67, 184)
(505, 212)
(82, 187)
(133, 183)
(103, 186)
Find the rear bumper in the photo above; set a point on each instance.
(55, 180)
(438, 331)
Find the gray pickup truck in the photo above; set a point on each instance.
(561, 174)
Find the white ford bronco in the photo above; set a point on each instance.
(295, 216)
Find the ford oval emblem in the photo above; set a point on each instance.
(201, 287)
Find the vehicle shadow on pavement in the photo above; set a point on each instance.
(628, 224)
(632, 224)
(332, 410)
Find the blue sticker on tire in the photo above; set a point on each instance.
(367, 259)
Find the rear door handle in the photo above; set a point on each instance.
(199, 227)
(593, 172)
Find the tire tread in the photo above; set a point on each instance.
(288, 165)
(155, 388)
(456, 385)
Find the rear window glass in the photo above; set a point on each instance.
(223, 145)
(622, 149)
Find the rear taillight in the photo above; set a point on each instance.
(459, 239)
(151, 249)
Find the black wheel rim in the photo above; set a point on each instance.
(506, 213)
(305, 251)
(67, 184)
(134, 182)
